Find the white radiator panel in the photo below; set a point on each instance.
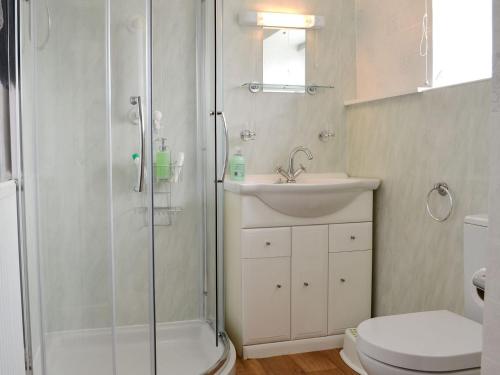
(11, 324)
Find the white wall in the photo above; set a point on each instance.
(412, 142)
(491, 345)
(283, 120)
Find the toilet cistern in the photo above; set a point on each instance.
(292, 174)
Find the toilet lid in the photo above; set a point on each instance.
(426, 341)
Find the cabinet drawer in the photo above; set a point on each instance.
(350, 237)
(265, 242)
(266, 300)
(349, 294)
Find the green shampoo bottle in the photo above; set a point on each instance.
(237, 166)
(162, 167)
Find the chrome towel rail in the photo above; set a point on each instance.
(443, 190)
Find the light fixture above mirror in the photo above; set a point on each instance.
(281, 20)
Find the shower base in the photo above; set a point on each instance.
(183, 348)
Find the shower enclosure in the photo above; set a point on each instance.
(123, 158)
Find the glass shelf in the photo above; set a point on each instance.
(311, 89)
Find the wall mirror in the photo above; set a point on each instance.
(284, 60)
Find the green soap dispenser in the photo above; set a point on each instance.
(162, 167)
(237, 166)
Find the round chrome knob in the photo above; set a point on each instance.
(306, 284)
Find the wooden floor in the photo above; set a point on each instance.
(316, 363)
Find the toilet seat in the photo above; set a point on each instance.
(433, 341)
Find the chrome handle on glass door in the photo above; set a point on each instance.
(226, 149)
(137, 100)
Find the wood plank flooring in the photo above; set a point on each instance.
(327, 362)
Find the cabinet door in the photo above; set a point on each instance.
(349, 296)
(266, 300)
(309, 281)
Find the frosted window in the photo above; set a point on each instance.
(388, 38)
(462, 41)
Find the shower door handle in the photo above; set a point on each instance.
(137, 100)
(226, 148)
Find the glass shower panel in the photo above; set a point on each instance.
(131, 186)
(208, 128)
(89, 234)
(66, 154)
(177, 197)
(183, 87)
(27, 55)
(120, 145)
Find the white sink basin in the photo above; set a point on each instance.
(313, 195)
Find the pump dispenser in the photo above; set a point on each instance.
(237, 166)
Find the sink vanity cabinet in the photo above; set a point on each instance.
(295, 283)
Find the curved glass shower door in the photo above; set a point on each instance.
(85, 106)
(187, 263)
(122, 208)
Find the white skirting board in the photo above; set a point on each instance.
(11, 319)
(292, 347)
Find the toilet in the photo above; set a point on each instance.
(431, 342)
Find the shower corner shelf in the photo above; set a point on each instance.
(164, 215)
(311, 89)
(164, 211)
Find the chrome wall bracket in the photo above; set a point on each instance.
(312, 90)
(248, 135)
(326, 135)
(254, 87)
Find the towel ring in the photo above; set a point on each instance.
(443, 190)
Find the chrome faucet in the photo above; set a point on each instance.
(292, 174)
